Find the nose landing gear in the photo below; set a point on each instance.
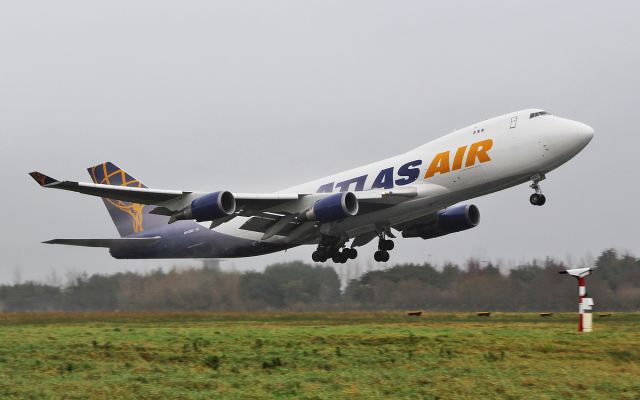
(537, 199)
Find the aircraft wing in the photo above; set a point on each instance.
(174, 200)
(124, 193)
(266, 211)
(171, 199)
(285, 220)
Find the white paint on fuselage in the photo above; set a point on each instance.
(534, 145)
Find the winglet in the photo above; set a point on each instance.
(42, 179)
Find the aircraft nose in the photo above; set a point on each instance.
(583, 133)
(569, 137)
(574, 136)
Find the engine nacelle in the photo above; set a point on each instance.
(333, 208)
(451, 220)
(208, 207)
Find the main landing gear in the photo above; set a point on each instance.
(330, 248)
(537, 199)
(384, 246)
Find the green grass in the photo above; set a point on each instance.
(317, 356)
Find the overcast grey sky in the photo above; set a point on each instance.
(260, 95)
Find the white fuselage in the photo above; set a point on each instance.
(482, 158)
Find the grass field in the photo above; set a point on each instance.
(317, 356)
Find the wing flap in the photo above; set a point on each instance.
(387, 197)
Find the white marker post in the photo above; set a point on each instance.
(585, 304)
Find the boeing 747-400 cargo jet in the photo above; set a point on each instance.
(415, 193)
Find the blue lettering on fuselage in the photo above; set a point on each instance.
(326, 188)
(359, 181)
(408, 173)
(384, 179)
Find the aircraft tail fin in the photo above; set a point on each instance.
(129, 218)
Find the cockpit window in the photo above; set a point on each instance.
(537, 114)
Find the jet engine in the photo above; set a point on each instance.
(209, 207)
(451, 220)
(334, 207)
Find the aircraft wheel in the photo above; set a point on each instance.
(339, 258)
(319, 256)
(389, 245)
(536, 199)
(543, 200)
(352, 253)
(381, 256)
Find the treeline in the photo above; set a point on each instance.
(533, 286)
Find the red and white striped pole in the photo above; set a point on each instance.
(585, 304)
(582, 292)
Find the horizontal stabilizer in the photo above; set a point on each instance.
(110, 243)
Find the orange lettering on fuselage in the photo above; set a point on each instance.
(457, 160)
(477, 151)
(440, 164)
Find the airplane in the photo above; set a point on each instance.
(416, 193)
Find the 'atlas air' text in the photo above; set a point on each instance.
(442, 163)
